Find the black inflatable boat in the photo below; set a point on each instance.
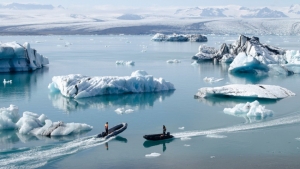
(156, 137)
(113, 131)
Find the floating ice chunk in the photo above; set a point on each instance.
(185, 138)
(152, 155)
(173, 61)
(17, 57)
(205, 53)
(212, 156)
(121, 62)
(298, 139)
(227, 58)
(129, 111)
(248, 91)
(194, 63)
(7, 81)
(28, 122)
(120, 110)
(215, 136)
(79, 86)
(8, 117)
(181, 128)
(253, 109)
(187, 145)
(179, 38)
(212, 79)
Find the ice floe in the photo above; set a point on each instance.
(17, 57)
(7, 81)
(173, 61)
(80, 86)
(152, 155)
(179, 38)
(31, 123)
(246, 90)
(181, 128)
(251, 110)
(123, 110)
(121, 62)
(212, 79)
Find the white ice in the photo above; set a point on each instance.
(173, 61)
(31, 123)
(8, 117)
(246, 90)
(212, 79)
(152, 155)
(187, 145)
(7, 81)
(181, 128)
(79, 86)
(185, 138)
(249, 110)
(128, 63)
(17, 57)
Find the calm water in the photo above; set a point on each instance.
(240, 142)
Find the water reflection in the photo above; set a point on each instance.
(22, 83)
(148, 144)
(119, 139)
(247, 78)
(141, 101)
(232, 101)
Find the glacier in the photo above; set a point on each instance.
(259, 91)
(32, 123)
(80, 86)
(17, 57)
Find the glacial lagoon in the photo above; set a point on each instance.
(206, 137)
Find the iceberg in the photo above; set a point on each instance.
(179, 38)
(249, 110)
(173, 61)
(31, 123)
(246, 90)
(205, 53)
(212, 79)
(121, 62)
(80, 86)
(16, 57)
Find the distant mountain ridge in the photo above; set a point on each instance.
(238, 12)
(28, 6)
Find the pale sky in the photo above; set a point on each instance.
(163, 3)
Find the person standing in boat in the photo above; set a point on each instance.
(164, 130)
(106, 128)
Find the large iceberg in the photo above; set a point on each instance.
(31, 123)
(249, 55)
(249, 91)
(17, 57)
(79, 86)
(179, 38)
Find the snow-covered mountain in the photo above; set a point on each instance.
(236, 12)
(29, 6)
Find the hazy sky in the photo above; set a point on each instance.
(141, 3)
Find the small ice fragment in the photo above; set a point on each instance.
(120, 110)
(152, 155)
(298, 139)
(212, 79)
(129, 111)
(173, 61)
(186, 145)
(181, 128)
(185, 138)
(7, 81)
(212, 156)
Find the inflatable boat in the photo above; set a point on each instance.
(113, 131)
(156, 137)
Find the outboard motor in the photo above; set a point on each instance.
(103, 134)
(168, 133)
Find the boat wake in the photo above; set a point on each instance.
(39, 156)
(272, 123)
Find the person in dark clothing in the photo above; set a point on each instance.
(164, 130)
(106, 128)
